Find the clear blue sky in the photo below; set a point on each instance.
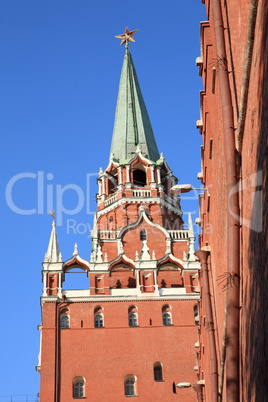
(59, 74)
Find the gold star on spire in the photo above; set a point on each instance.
(127, 36)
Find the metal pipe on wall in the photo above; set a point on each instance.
(202, 255)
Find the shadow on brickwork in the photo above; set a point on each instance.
(256, 364)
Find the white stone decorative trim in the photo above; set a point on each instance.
(112, 162)
(171, 291)
(172, 258)
(78, 258)
(52, 266)
(145, 217)
(141, 200)
(126, 292)
(76, 292)
(123, 257)
(140, 297)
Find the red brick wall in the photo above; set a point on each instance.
(156, 240)
(105, 355)
(254, 240)
(252, 156)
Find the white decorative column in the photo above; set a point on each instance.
(103, 188)
(120, 179)
(191, 250)
(100, 187)
(152, 181)
(45, 284)
(137, 272)
(120, 175)
(158, 175)
(60, 285)
(128, 184)
(155, 281)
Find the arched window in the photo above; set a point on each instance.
(133, 316)
(98, 317)
(98, 320)
(158, 376)
(196, 314)
(167, 318)
(64, 321)
(166, 314)
(143, 234)
(78, 387)
(133, 319)
(130, 385)
(112, 181)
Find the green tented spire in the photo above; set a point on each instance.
(132, 127)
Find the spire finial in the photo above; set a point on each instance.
(53, 253)
(75, 249)
(52, 213)
(138, 149)
(190, 225)
(127, 36)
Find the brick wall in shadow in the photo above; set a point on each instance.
(256, 326)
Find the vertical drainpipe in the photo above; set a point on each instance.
(247, 68)
(58, 354)
(202, 255)
(198, 389)
(233, 253)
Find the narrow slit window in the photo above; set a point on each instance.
(213, 79)
(210, 148)
(143, 235)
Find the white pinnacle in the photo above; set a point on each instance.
(191, 250)
(75, 249)
(53, 253)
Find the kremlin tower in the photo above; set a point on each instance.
(134, 331)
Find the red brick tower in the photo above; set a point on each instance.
(133, 331)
